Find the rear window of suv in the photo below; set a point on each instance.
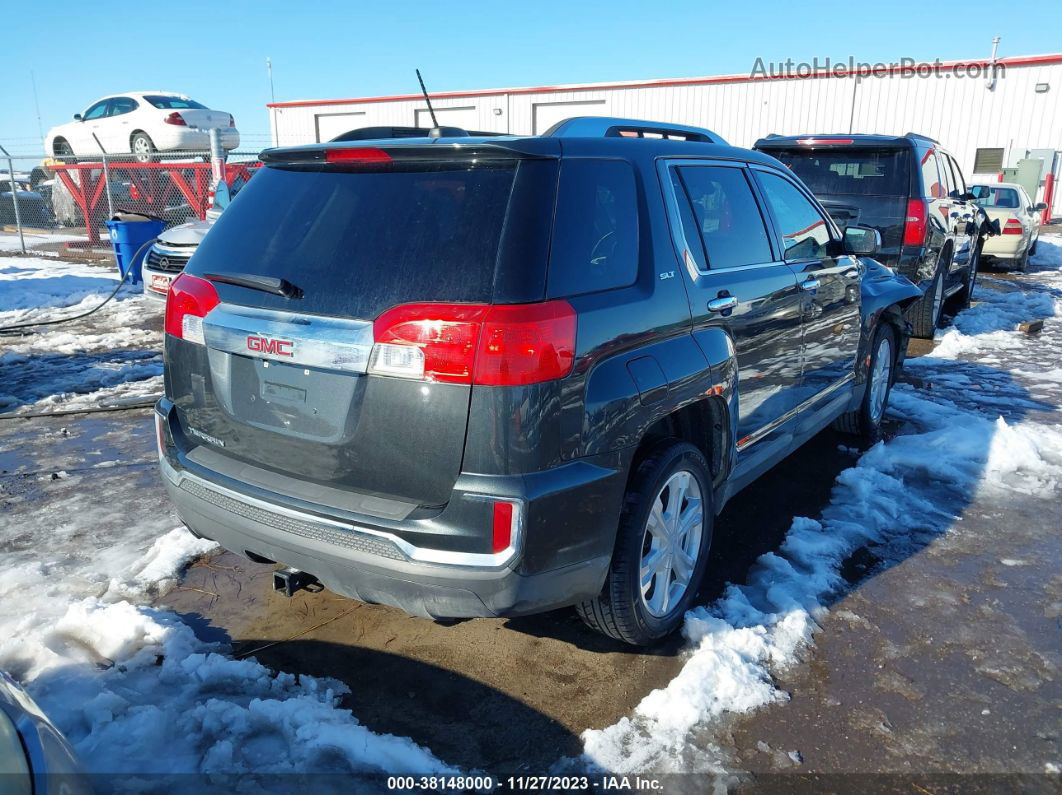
(359, 242)
(850, 172)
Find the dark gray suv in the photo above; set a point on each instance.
(494, 376)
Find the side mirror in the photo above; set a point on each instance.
(77, 117)
(862, 241)
(1039, 207)
(968, 197)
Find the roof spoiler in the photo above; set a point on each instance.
(922, 137)
(608, 127)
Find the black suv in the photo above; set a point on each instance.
(494, 376)
(913, 192)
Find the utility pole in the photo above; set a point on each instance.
(37, 105)
(272, 100)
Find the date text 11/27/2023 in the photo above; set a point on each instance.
(526, 783)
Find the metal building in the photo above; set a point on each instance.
(991, 114)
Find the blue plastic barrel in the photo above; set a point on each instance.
(127, 238)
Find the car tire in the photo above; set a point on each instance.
(925, 313)
(63, 151)
(630, 608)
(965, 296)
(1021, 264)
(865, 422)
(143, 148)
(1032, 248)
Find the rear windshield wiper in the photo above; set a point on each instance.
(267, 284)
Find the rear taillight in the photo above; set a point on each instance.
(501, 345)
(1012, 227)
(187, 303)
(526, 344)
(176, 118)
(914, 228)
(361, 154)
(232, 121)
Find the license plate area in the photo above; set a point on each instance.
(159, 283)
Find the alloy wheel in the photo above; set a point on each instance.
(880, 375)
(671, 543)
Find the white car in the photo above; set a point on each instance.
(1019, 222)
(142, 123)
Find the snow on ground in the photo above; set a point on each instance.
(11, 242)
(132, 686)
(106, 358)
(971, 434)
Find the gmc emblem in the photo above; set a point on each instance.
(270, 346)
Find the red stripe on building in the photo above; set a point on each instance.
(1026, 60)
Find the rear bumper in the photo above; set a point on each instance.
(193, 139)
(1005, 246)
(363, 562)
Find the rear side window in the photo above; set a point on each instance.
(805, 232)
(958, 180)
(360, 242)
(726, 215)
(595, 234)
(932, 186)
(946, 177)
(850, 172)
(121, 106)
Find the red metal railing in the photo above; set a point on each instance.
(152, 187)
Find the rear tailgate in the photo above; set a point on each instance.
(281, 382)
(857, 184)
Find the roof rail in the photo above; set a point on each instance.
(608, 127)
(923, 137)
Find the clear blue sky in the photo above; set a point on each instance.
(216, 52)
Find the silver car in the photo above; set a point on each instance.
(169, 254)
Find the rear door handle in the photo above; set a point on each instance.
(722, 303)
(810, 284)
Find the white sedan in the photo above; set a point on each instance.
(1019, 222)
(142, 123)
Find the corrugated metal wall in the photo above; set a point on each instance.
(959, 111)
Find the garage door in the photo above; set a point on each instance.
(329, 125)
(545, 114)
(467, 118)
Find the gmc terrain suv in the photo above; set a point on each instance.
(495, 376)
(912, 191)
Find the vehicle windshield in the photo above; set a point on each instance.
(163, 102)
(854, 172)
(999, 198)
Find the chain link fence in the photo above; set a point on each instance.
(59, 204)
